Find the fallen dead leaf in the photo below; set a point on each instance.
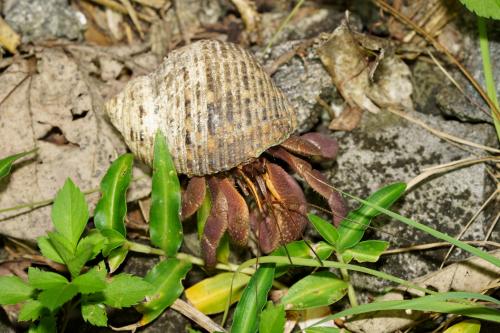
(367, 73)
(54, 102)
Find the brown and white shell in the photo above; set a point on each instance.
(214, 103)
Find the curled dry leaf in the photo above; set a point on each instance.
(366, 72)
(472, 275)
(54, 102)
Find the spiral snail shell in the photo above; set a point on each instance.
(214, 103)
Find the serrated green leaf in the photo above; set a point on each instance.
(165, 223)
(125, 290)
(55, 297)
(318, 289)
(95, 240)
(324, 228)
(31, 310)
(48, 250)
(166, 277)
(116, 258)
(6, 163)
(113, 240)
(272, 319)
(210, 295)
(95, 314)
(14, 290)
(91, 282)
(367, 251)
(465, 326)
(70, 212)
(247, 314)
(78, 260)
(112, 207)
(484, 8)
(62, 246)
(47, 324)
(45, 280)
(352, 228)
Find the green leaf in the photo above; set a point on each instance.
(272, 319)
(484, 8)
(14, 290)
(165, 223)
(325, 330)
(55, 297)
(116, 258)
(433, 303)
(465, 326)
(45, 280)
(247, 313)
(70, 212)
(367, 251)
(6, 163)
(318, 289)
(47, 324)
(91, 282)
(322, 250)
(95, 314)
(210, 295)
(202, 214)
(62, 246)
(324, 228)
(76, 262)
(31, 310)
(113, 240)
(166, 278)
(126, 290)
(95, 240)
(353, 227)
(48, 250)
(112, 207)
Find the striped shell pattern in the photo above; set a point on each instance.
(214, 103)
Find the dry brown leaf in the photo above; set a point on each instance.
(58, 108)
(347, 121)
(366, 72)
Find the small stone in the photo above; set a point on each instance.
(44, 19)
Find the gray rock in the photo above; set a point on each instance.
(302, 80)
(454, 104)
(44, 19)
(386, 149)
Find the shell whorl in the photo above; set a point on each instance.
(213, 102)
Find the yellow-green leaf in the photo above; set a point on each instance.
(210, 296)
(466, 326)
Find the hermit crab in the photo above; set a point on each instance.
(227, 126)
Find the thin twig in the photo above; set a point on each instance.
(121, 9)
(448, 167)
(429, 246)
(196, 315)
(492, 226)
(441, 134)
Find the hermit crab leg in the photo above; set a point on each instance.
(315, 179)
(216, 224)
(288, 212)
(314, 145)
(192, 197)
(237, 214)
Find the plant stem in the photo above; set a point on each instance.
(488, 73)
(142, 248)
(351, 293)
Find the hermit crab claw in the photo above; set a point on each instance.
(313, 145)
(193, 196)
(229, 212)
(313, 177)
(284, 219)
